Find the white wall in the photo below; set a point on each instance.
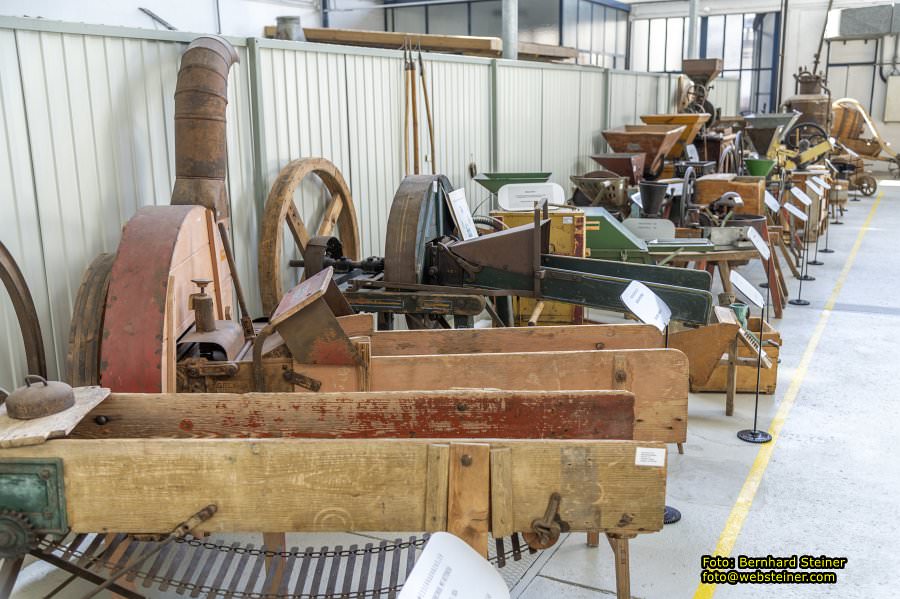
(239, 18)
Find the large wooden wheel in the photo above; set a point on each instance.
(86, 331)
(280, 210)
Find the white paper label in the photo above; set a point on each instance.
(801, 195)
(795, 211)
(449, 568)
(771, 202)
(759, 243)
(747, 288)
(636, 198)
(814, 188)
(650, 456)
(462, 215)
(822, 182)
(568, 220)
(646, 305)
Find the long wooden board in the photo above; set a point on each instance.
(405, 414)
(150, 485)
(516, 339)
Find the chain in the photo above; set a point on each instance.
(185, 586)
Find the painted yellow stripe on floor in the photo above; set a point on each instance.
(745, 498)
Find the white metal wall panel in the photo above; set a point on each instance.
(19, 226)
(460, 95)
(99, 112)
(375, 110)
(519, 112)
(726, 94)
(560, 124)
(592, 117)
(303, 114)
(634, 94)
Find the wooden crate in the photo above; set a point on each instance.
(746, 375)
(751, 189)
(566, 239)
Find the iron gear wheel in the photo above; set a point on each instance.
(16, 534)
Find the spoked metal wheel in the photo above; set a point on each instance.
(894, 167)
(86, 331)
(867, 184)
(280, 211)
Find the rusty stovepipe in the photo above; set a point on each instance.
(200, 143)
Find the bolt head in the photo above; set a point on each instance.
(466, 460)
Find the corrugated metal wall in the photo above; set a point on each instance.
(86, 116)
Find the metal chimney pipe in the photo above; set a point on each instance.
(201, 96)
(693, 20)
(510, 16)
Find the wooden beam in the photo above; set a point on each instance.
(469, 502)
(296, 485)
(518, 339)
(463, 413)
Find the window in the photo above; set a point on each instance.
(597, 28)
(747, 44)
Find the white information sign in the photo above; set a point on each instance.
(747, 288)
(650, 456)
(795, 211)
(449, 569)
(462, 215)
(771, 202)
(801, 195)
(646, 305)
(759, 243)
(636, 198)
(815, 188)
(822, 182)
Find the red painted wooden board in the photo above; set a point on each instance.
(449, 414)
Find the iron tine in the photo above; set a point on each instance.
(9, 572)
(274, 571)
(223, 570)
(204, 571)
(364, 571)
(410, 557)
(130, 548)
(196, 554)
(238, 571)
(157, 564)
(333, 573)
(88, 554)
(379, 568)
(317, 574)
(108, 551)
(501, 558)
(395, 569)
(73, 546)
(348, 572)
(517, 549)
(145, 549)
(304, 571)
(254, 573)
(173, 566)
(283, 585)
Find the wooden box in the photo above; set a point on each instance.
(746, 375)
(566, 239)
(751, 189)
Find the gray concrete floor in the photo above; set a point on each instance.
(831, 486)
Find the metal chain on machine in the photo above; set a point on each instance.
(221, 570)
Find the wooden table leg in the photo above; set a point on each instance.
(593, 538)
(274, 541)
(680, 448)
(725, 275)
(619, 546)
(731, 383)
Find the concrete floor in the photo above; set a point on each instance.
(830, 486)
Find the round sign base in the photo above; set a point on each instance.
(671, 515)
(754, 436)
(798, 302)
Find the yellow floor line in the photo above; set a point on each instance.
(741, 507)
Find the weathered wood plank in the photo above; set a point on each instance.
(657, 377)
(516, 339)
(403, 414)
(436, 491)
(469, 502)
(19, 433)
(149, 485)
(501, 493)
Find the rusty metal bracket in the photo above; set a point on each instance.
(301, 380)
(546, 530)
(197, 367)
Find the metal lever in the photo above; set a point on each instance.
(546, 530)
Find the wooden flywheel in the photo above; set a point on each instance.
(280, 211)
